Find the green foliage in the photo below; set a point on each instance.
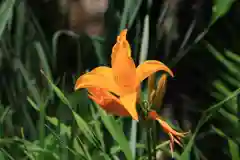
(79, 127)
(220, 8)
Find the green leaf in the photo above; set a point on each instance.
(134, 12)
(125, 14)
(117, 133)
(99, 52)
(43, 59)
(206, 116)
(82, 124)
(6, 11)
(233, 146)
(187, 150)
(217, 106)
(230, 117)
(220, 8)
(6, 154)
(233, 56)
(231, 104)
(2, 156)
(57, 91)
(234, 150)
(84, 127)
(63, 130)
(220, 57)
(20, 27)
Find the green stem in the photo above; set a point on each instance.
(149, 144)
(73, 134)
(154, 138)
(42, 129)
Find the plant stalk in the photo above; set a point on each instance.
(149, 144)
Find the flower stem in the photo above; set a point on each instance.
(149, 144)
(154, 138)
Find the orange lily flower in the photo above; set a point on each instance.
(174, 135)
(123, 79)
(107, 101)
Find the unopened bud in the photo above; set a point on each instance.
(152, 96)
(160, 91)
(151, 87)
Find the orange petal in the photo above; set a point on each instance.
(100, 77)
(149, 67)
(121, 41)
(107, 101)
(171, 143)
(167, 128)
(123, 66)
(129, 102)
(177, 140)
(103, 70)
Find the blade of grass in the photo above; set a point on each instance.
(6, 11)
(125, 14)
(63, 130)
(233, 56)
(134, 13)
(82, 124)
(234, 150)
(200, 36)
(220, 8)
(43, 59)
(33, 90)
(230, 66)
(145, 40)
(230, 79)
(35, 24)
(217, 106)
(20, 21)
(7, 154)
(238, 110)
(233, 146)
(116, 132)
(221, 88)
(2, 157)
(99, 52)
(206, 116)
(230, 117)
